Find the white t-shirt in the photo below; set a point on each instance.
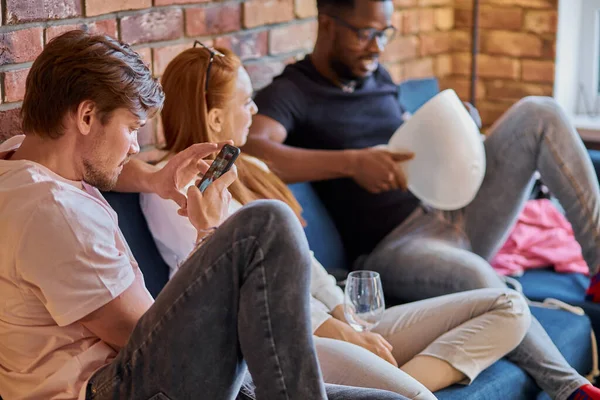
(175, 235)
(63, 257)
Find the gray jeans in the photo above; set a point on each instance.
(435, 253)
(242, 297)
(469, 330)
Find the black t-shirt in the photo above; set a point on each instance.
(319, 115)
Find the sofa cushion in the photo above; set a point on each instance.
(412, 94)
(135, 229)
(541, 284)
(595, 156)
(321, 232)
(504, 380)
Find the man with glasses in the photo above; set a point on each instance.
(321, 121)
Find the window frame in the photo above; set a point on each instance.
(588, 89)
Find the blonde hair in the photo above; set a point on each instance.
(185, 113)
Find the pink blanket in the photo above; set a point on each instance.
(542, 237)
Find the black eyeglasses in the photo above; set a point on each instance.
(213, 53)
(367, 35)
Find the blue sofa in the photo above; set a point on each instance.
(501, 381)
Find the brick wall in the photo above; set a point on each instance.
(517, 41)
(266, 34)
(517, 52)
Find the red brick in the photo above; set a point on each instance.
(498, 67)
(435, 43)
(250, 45)
(512, 44)
(435, 2)
(461, 40)
(10, 123)
(491, 18)
(146, 54)
(511, 90)
(262, 73)
(97, 7)
(305, 8)
(410, 21)
(163, 55)
(462, 87)
(426, 20)
(397, 21)
(223, 42)
(165, 24)
(461, 64)
(21, 11)
(293, 37)
(405, 3)
(169, 2)
(444, 18)
(14, 85)
(213, 20)
(491, 111)
(463, 18)
(402, 48)
(422, 68)
(538, 71)
(20, 46)
(443, 65)
(541, 21)
(549, 49)
(57, 30)
(487, 66)
(523, 3)
(396, 71)
(265, 12)
(105, 26)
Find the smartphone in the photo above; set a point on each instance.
(219, 166)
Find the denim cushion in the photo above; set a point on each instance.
(595, 156)
(504, 380)
(321, 232)
(540, 284)
(134, 228)
(412, 94)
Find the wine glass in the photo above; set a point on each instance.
(363, 300)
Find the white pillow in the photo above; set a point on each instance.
(449, 163)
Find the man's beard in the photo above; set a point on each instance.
(343, 72)
(102, 180)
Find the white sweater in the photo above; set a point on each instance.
(175, 235)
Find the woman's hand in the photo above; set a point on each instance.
(209, 209)
(337, 328)
(376, 344)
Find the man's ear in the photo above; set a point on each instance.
(215, 119)
(85, 116)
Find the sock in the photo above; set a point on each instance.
(586, 392)
(593, 292)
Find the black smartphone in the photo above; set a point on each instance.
(219, 166)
